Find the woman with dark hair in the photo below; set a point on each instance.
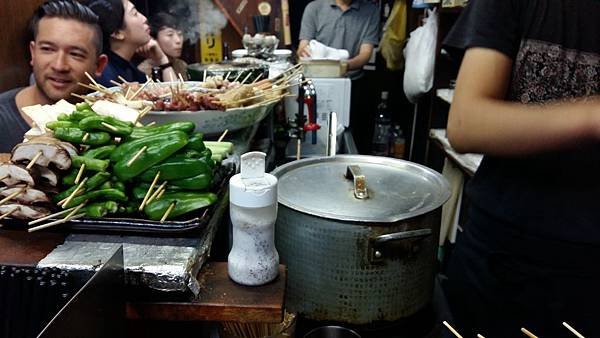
(126, 32)
(164, 28)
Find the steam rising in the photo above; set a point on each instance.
(198, 16)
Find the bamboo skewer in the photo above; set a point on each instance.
(74, 193)
(257, 78)
(149, 192)
(529, 334)
(137, 155)
(34, 159)
(92, 80)
(85, 137)
(161, 193)
(570, 328)
(246, 78)
(452, 329)
(60, 221)
(204, 76)
(39, 220)
(98, 89)
(480, 336)
(81, 170)
(115, 83)
(111, 127)
(180, 77)
(223, 135)
(74, 211)
(150, 124)
(237, 77)
(9, 213)
(122, 79)
(137, 92)
(164, 218)
(3, 177)
(157, 192)
(127, 93)
(84, 97)
(11, 196)
(227, 75)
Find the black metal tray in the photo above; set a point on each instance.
(139, 226)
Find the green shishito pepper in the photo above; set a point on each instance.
(101, 209)
(79, 115)
(83, 106)
(76, 135)
(91, 164)
(61, 124)
(175, 168)
(100, 153)
(185, 202)
(92, 183)
(159, 147)
(196, 142)
(141, 132)
(198, 182)
(106, 123)
(103, 195)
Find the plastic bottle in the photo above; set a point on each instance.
(253, 259)
(397, 143)
(381, 133)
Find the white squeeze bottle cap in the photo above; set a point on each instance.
(252, 187)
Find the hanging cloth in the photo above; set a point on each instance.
(394, 36)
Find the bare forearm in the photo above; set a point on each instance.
(358, 61)
(497, 127)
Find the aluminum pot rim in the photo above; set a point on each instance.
(432, 174)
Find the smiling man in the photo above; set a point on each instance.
(67, 44)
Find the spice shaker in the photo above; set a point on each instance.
(253, 259)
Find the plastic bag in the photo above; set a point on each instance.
(420, 58)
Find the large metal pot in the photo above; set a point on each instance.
(359, 236)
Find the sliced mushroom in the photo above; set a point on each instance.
(12, 174)
(44, 176)
(27, 196)
(24, 211)
(51, 152)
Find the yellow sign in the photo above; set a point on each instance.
(211, 47)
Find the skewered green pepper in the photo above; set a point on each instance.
(76, 135)
(198, 182)
(158, 148)
(92, 183)
(185, 202)
(141, 132)
(91, 164)
(79, 115)
(83, 106)
(100, 153)
(61, 124)
(196, 142)
(106, 123)
(105, 194)
(101, 209)
(175, 168)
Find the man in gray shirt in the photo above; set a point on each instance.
(352, 25)
(67, 44)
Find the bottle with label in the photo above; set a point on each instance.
(381, 133)
(397, 143)
(253, 259)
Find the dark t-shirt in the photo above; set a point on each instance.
(117, 66)
(12, 125)
(555, 46)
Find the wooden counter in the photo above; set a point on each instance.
(27, 249)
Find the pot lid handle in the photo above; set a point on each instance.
(353, 172)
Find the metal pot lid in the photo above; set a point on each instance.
(330, 187)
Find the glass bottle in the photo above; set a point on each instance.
(381, 133)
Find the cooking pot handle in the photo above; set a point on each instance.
(360, 181)
(377, 244)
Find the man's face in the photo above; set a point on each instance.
(61, 54)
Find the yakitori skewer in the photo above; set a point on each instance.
(60, 221)
(137, 92)
(137, 155)
(81, 170)
(570, 328)
(528, 333)
(122, 79)
(126, 96)
(92, 80)
(257, 78)
(204, 76)
(227, 76)
(111, 127)
(180, 77)
(452, 329)
(86, 98)
(149, 192)
(164, 218)
(10, 212)
(151, 124)
(33, 160)
(160, 194)
(11, 196)
(223, 135)
(40, 220)
(237, 77)
(94, 88)
(115, 83)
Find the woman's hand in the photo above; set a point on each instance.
(151, 50)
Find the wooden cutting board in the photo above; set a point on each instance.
(240, 13)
